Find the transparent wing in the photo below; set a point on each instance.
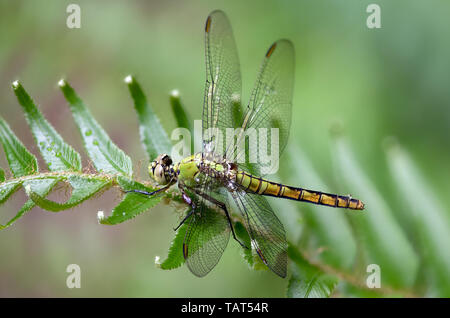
(265, 230)
(270, 106)
(207, 235)
(222, 100)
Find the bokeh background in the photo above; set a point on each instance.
(372, 83)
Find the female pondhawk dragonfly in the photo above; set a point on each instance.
(207, 179)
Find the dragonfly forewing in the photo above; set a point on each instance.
(223, 79)
(270, 106)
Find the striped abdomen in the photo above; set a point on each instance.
(264, 187)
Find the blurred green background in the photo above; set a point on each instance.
(375, 83)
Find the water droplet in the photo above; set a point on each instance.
(123, 213)
(88, 132)
(49, 149)
(95, 142)
(58, 154)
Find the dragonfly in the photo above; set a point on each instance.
(213, 182)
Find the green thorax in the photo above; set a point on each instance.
(193, 168)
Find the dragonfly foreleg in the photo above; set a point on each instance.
(222, 206)
(149, 193)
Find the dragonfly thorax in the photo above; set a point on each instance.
(192, 170)
(218, 167)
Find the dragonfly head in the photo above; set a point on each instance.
(161, 169)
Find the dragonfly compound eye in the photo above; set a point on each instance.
(158, 173)
(165, 160)
(159, 169)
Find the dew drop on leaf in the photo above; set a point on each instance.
(88, 133)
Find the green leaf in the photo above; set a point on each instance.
(40, 186)
(106, 156)
(329, 226)
(431, 224)
(2, 175)
(83, 187)
(57, 154)
(381, 236)
(181, 117)
(314, 286)
(175, 256)
(249, 254)
(132, 204)
(237, 111)
(8, 188)
(308, 281)
(243, 236)
(21, 161)
(25, 208)
(153, 136)
(179, 112)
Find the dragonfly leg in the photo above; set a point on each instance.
(224, 208)
(232, 229)
(149, 193)
(189, 201)
(184, 220)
